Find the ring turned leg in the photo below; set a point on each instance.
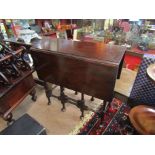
(81, 105)
(104, 110)
(48, 92)
(63, 98)
(33, 94)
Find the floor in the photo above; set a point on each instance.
(51, 117)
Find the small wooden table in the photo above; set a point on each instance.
(86, 67)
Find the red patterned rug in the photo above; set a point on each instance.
(113, 122)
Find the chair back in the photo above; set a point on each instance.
(143, 91)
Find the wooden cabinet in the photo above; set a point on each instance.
(12, 96)
(16, 80)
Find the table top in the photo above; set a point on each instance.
(99, 52)
(93, 51)
(151, 71)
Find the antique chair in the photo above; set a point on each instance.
(140, 91)
(136, 86)
(143, 94)
(143, 90)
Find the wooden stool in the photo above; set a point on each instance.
(25, 125)
(143, 119)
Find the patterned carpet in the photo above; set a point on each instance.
(113, 122)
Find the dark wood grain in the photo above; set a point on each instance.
(20, 86)
(90, 68)
(9, 55)
(143, 119)
(97, 52)
(15, 45)
(12, 96)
